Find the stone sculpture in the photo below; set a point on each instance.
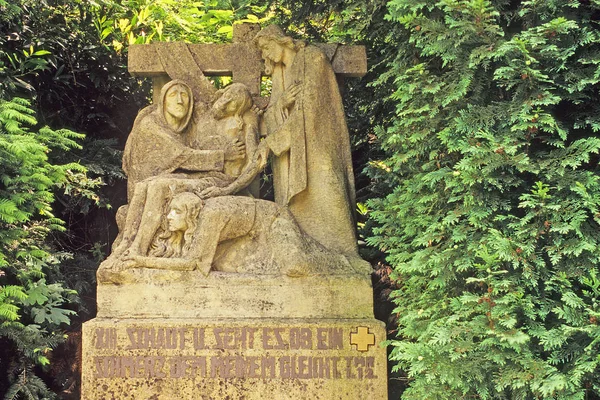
(159, 162)
(157, 143)
(213, 152)
(235, 121)
(257, 231)
(211, 292)
(306, 131)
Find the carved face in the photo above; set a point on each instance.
(176, 217)
(271, 50)
(225, 106)
(235, 99)
(177, 102)
(272, 53)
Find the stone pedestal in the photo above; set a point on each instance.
(233, 359)
(189, 294)
(168, 335)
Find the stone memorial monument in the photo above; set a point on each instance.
(211, 292)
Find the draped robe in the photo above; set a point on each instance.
(312, 167)
(154, 149)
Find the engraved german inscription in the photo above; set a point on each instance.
(226, 352)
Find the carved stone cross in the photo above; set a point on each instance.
(240, 59)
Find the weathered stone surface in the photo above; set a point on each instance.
(188, 294)
(234, 359)
(211, 292)
(217, 59)
(307, 134)
(233, 234)
(172, 150)
(240, 59)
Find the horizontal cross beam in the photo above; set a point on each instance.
(240, 59)
(221, 59)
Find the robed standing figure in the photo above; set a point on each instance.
(306, 131)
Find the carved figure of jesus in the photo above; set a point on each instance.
(306, 131)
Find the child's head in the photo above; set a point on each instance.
(234, 100)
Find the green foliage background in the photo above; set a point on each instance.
(492, 224)
(475, 147)
(31, 308)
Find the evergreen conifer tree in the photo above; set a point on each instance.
(32, 309)
(492, 226)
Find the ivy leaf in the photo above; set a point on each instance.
(227, 29)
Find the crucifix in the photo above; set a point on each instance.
(241, 60)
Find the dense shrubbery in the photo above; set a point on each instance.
(32, 309)
(492, 227)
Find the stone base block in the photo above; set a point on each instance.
(189, 294)
(274, 359)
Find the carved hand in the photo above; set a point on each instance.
(288, 98)
(212, 191)
(261, 155)
(236, 151)
(258, 111)
(129, 262)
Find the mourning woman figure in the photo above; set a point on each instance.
(173, 246)
(156, 159)
(259, 232)
(181, 223)
(156, 144)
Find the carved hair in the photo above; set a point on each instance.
(178, 243)
(275, 33)
(162, 99)
(239, 92)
